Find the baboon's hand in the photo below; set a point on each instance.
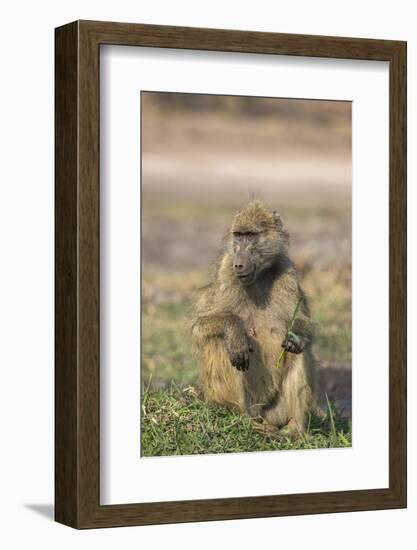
(294, 343)
(240, 360)
(237, 345)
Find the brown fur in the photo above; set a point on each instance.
(242, 321)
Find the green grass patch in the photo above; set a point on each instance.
(176, 421)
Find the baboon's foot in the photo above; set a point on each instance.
(296, 425)
(291, 431)
(276, 432)
(264, 428)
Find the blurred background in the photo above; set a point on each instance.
(203, 157)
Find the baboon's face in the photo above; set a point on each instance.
(244, 264)
(256, 242)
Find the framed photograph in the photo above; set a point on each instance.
(230, 274)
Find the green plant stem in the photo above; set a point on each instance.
(284, 351)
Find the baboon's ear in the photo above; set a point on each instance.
(278, 220)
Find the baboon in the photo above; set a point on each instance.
(241, 322)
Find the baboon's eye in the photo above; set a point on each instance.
(240, 234)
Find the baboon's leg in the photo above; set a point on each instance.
(221, 382)
(295, 396)
(259, 383)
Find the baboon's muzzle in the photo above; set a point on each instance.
(244, 267)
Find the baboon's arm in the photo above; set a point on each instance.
(304, 326)
(228, 327)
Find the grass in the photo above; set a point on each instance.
(176, 421)
(331, 298)
(166, 340)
